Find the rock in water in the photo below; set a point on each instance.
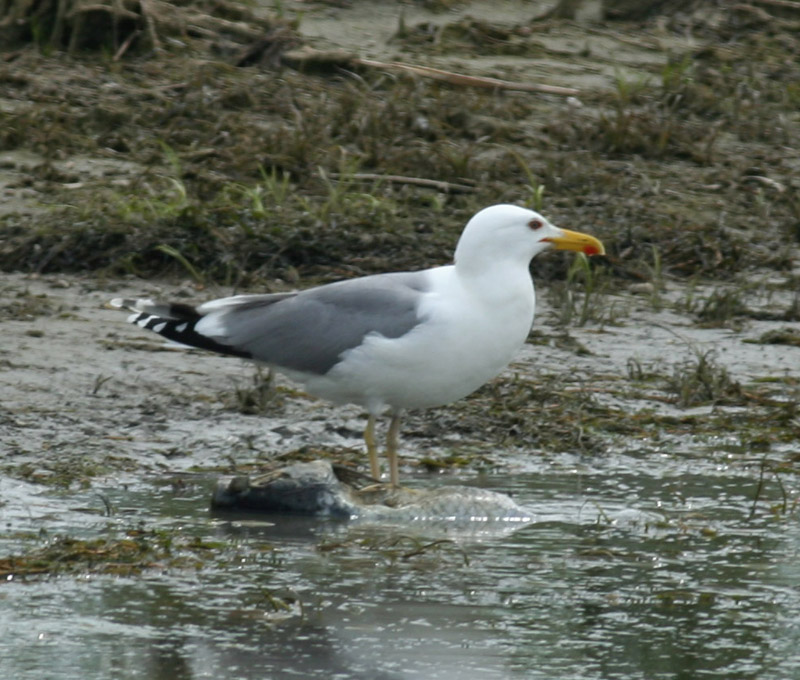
(318, 489)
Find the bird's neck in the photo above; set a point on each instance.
(505, 284)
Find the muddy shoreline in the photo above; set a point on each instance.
(103, 399)
(648, 428)
(253, 179)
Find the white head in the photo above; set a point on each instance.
(508, 234)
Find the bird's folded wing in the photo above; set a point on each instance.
(309, 331)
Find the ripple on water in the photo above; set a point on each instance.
(636, 566)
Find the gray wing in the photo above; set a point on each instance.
(310, 330)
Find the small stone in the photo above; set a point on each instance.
(646, 288)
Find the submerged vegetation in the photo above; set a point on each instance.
(121, 556)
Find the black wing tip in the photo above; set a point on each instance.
(183, 332)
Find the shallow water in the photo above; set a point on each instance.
(638, 566)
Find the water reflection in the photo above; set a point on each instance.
(639, 566)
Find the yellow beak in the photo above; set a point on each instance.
(575, 240)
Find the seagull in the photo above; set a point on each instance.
(387, 342)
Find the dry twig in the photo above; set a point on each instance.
(309, 57)
(473, 81)
(447, 187)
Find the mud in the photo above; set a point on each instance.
(87, 396)
(666, 154)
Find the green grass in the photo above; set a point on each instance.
(250, 177)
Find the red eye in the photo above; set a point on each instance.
(535, 224)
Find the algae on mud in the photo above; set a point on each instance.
(676, 152)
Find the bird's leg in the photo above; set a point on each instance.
(391, 449)
(372, 449)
